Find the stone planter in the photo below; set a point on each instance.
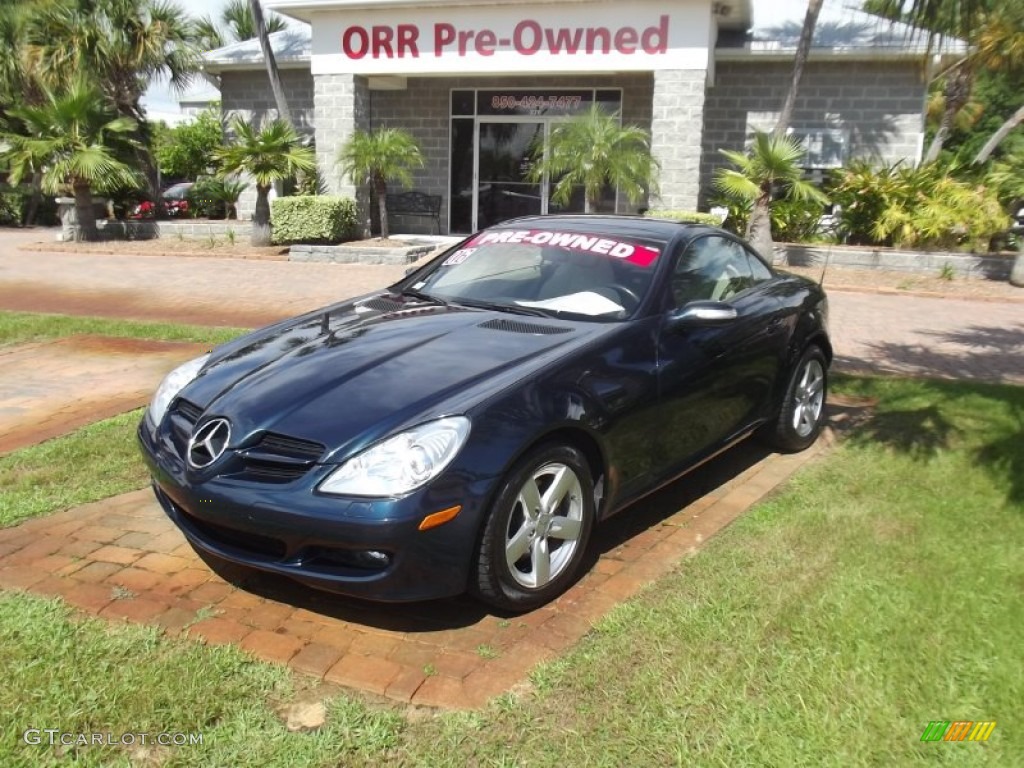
(991, 266)
(69, 216)
(356, 253)
(1017, 272)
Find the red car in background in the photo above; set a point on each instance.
(174, 200)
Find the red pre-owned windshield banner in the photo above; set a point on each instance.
(641, 255)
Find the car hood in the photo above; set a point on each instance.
(354, 372)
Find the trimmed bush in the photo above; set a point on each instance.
(692, 217)
(313, 219)
(12, 208)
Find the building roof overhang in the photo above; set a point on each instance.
(843, 33)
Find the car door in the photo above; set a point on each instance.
(716, 378)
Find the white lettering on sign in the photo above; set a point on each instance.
(529, 37)
(637, 254)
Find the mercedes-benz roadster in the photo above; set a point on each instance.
(467, 427)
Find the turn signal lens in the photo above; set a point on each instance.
(439, 518)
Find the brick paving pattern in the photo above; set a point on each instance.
(49, 388)
(123, 560)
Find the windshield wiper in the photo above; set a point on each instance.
(415, 294)
(515, 309)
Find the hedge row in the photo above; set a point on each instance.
(693, 217)
(314, 219)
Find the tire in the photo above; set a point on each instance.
(802, 411)
(527, 558)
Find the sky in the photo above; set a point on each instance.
(162, 104)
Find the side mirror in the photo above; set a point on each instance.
(701, 314)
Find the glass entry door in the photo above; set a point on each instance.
(503, 191)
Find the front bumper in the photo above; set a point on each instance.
(366, 548)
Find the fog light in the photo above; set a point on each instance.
(372, 558)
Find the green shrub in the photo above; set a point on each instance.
(793, 221)
(693, 217)
(12, 208)
(924, 208)
(313, 219)
(14, 205)
(796, 221)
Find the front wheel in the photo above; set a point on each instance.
(802, 412)
(536, 535)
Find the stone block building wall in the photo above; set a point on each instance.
(247, 94)
(676, 130)
(878, 103)
(342, 108)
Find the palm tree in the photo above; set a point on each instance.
(803, 51)
(124, 45)
(271, 154)
(772, 163)
(995, 32)
(73, 137)
(594, 150)
(235, 24)
(263, 34)
(378, 157)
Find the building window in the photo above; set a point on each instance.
(824, 147)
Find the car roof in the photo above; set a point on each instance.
(634, 226)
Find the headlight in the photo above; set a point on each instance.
(173, 383)
(401, 463)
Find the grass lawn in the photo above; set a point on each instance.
(21, 327)
(880, 590)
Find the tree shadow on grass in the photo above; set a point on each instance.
(923, 432)
(1005, 457)
(920, 433)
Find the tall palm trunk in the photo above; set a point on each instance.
(271, 63)
(1004, 130)
(957, 93)
(759, 225)
(34, 199)
(380, 186)
(261, 217)
(803, 51)
(84, 211)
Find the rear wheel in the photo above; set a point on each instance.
(802, 412)
(536, 535)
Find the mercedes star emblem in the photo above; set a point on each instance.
(208, 443)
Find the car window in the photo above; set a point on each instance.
(599, 276)
(714, 268)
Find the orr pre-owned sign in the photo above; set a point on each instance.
(563, 37)
(529, 37)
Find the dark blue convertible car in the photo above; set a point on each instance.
(466, 428)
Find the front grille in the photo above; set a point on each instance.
(518, 326)
(280, 458)
(188, 410)
(274, 458)
(183, 416)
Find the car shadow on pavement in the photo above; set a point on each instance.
(464, 611)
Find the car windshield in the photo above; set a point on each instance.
(177, 191)
(536, 271)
